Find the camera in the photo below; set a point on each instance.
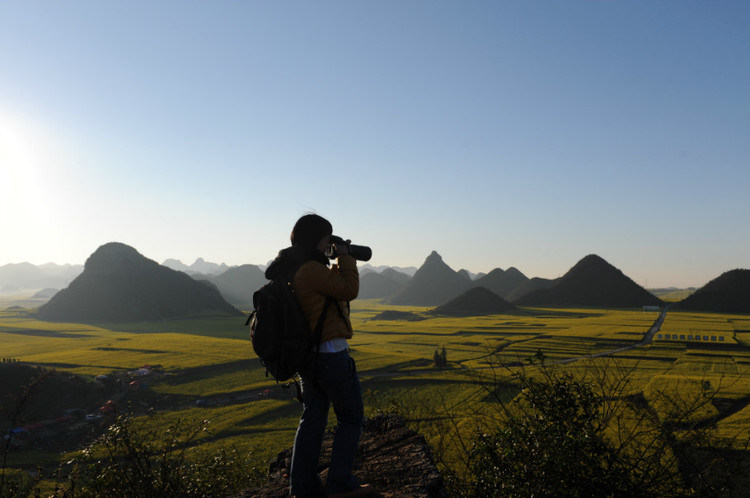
(361, 253)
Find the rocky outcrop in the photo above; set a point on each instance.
(394, 459)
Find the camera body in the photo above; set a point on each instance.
(360, 253)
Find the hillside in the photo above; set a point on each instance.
(52, 392)
(502, 282)
(119, 284)
(592, 282)
(373, 285)
(433, 284)
(728, 293)
(477, 301)
(238, 284)
(531, 285)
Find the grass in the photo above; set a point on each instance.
(211, 358)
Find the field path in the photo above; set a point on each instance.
(647, 339)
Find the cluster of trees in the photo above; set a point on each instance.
(440, 358)
(9, 361)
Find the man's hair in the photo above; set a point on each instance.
(309, 229)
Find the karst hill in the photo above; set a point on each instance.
(238, 284)
(374, 285)
(434, 283)
(502, 282)
(591, 282)
(119, 284)
(727, 293)
(477, 301)
(531, 285)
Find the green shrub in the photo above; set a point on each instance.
(128, 461)
(587, 435)
(553, 446)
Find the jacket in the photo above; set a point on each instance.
(313, 280)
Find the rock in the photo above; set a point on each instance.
(394, 459)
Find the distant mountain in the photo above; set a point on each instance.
(465, 273)
(592, 282)
(66, 272)
(434, 283)
(25, 276)
(45, 293)
(728, 293)
(199, 267)
(367, 267)
(502, 282)
(119, 284)
(373, 285)
(530, 285)
(238, 284)
(177, 265)
(477, 301)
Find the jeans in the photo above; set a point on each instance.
(334, 381)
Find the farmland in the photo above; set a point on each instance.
(210, 360)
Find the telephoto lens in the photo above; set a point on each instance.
(361, 253)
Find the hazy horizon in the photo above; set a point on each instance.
(497, 133)
(413, 267)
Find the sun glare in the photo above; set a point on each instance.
(29, 179)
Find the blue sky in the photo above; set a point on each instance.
(498, 133)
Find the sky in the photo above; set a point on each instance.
(498, 133)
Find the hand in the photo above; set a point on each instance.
(342, 249)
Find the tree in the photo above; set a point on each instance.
(440, 358)
(586, 434)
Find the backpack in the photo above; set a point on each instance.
(279, 331)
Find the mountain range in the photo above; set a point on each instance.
(590, 282)
(19, 277)
(199, 267)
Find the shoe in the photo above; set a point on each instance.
(360, 492)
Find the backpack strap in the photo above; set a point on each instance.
(318, 332)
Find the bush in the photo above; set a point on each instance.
(587, 435)
(553, 446)
(542, 430)
(131, 462)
